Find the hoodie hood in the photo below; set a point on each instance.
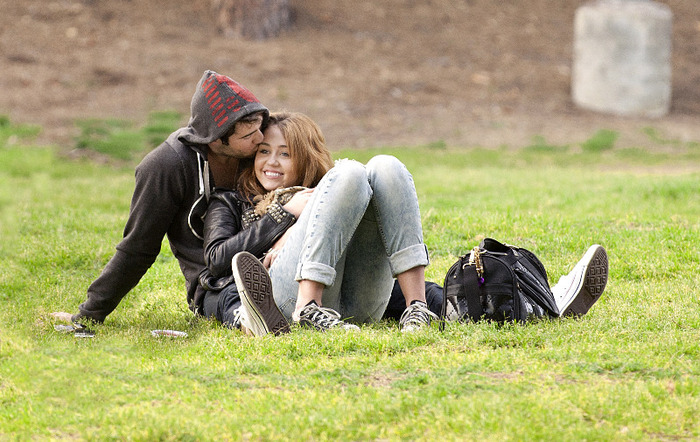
(217, 104)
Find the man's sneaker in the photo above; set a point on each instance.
(255, 288)
(576, 292)
(322, 318)
(240, 321)
(416, 316)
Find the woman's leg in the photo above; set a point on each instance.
(397, 226)
(387, 242)
(398, 215)
(412, 283)
(315, 248)
(351, 249)
(364, 281)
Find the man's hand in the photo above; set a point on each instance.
(63, 316)
(269, 258)
(271, 254)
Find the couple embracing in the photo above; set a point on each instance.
(268, 231)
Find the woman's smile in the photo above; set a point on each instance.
(274, 167)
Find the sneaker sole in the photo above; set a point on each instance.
(594, 282)
(255, 289)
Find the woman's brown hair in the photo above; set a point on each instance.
(307, 149)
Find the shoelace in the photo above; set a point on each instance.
(238, 317)
(417, 314)
(324, 317)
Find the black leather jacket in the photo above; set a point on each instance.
(224, 235)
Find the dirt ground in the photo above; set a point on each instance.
(371, 73)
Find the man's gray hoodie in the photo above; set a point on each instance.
(173, 184)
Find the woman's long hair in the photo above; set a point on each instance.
(307, 149)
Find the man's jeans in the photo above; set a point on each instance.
(222, 305)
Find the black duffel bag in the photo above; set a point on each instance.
(497, 282)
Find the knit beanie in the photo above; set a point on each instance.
(218, 102)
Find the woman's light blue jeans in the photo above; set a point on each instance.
(359, 230)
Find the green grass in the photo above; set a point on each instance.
(628, 370)
(11, 134)
(604, 139)
(121, 140)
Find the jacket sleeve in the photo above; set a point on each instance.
(158, 193)
(223, 236)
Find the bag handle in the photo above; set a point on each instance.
(493, 245)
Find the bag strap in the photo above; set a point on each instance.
(472, 286)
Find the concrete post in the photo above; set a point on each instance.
(622, 57)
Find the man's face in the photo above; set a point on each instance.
(243, 143)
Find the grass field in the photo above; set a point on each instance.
(629, 370)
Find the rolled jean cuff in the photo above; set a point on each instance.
(408, 258)
(314, 271)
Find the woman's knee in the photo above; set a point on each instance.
(384, 164)
(387, 171)
(349, 175)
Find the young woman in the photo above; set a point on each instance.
(333, 251)
(232, 224)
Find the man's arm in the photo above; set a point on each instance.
(158, 193)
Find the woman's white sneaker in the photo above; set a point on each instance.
(322, 318)
(416, 316)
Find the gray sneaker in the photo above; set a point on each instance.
(576, 292)
(322, 318)
(262, 316)
(416, 316)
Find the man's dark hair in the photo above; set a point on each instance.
(245, 119)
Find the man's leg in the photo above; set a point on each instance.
(576, 292)
(224, 306)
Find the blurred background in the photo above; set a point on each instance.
(371, 73)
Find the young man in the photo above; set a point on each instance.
(173, 184)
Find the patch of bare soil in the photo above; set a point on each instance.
(371, 73)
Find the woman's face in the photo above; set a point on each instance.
(274, 167)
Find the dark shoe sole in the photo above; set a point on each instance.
(595, 280)
(255, 289)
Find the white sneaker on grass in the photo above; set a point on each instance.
(240, 321)
(576, 292)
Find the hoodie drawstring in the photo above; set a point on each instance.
(204, 191)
